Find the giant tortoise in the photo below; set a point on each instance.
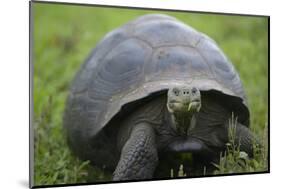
(152, 88)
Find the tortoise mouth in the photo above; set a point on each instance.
(175, 101)
(196, 100)
(182, 106)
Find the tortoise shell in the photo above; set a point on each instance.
(143, 57)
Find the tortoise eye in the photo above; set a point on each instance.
(194, 91)
(176, 92)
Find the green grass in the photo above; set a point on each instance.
(65, 35)
(236, 161)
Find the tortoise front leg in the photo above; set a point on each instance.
(139, 155)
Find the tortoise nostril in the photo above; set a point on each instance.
(185, 92)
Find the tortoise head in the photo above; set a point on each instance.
(182, 103)
(184, 99)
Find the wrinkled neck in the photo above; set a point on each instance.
(183, 121)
